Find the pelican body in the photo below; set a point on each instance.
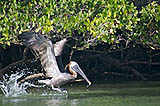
(49, 54)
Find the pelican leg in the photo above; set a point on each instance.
(47, 81)
(61, 90)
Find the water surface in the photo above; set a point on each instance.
(115, 94)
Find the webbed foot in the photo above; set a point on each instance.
(61, 90)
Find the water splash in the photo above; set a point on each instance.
(10, 87)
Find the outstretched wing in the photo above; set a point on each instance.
(58, 48)
(45, 50)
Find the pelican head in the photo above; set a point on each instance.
(74, 69)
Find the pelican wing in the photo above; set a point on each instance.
(58, 48)
(45, 50)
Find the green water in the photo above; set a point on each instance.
(115, 94)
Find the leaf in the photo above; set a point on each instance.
(38, 29)
(48, 22)
(8, 43)
(109, 13)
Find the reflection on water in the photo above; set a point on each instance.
(61, 102)
(12, 101)
(38, 100)
(124, 94)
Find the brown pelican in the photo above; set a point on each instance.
(49, 55)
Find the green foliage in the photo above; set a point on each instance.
(100, 18)
(148, 29)
(19, 16)
(110, 16)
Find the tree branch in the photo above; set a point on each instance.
(135, 72)
(139, 62)
(3, 70)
